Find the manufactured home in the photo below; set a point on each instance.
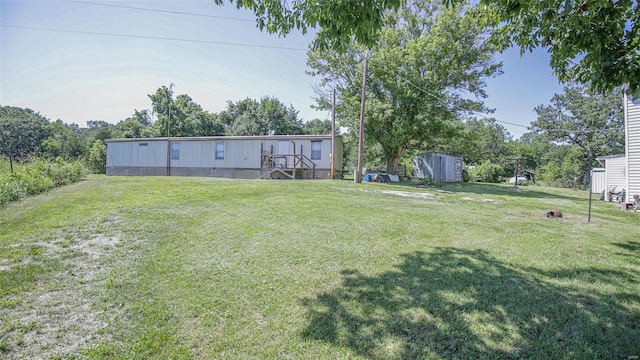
(439, 167)
(244, 157)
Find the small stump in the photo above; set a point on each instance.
(553, 213)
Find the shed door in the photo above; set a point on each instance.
(439, 168)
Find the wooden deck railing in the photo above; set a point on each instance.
(291, 162)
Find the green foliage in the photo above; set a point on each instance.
(465, 175)
(592, 42)
(487, 171)
(179, 117)
(67, 141)
(551, 172)
(38, 176)
(21, 132)
(98, 157)
(593, 123)
(430, 182)
(317, 127)
(338, 22)
(413, 92)
(250, 117)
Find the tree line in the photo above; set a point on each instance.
(25, 133)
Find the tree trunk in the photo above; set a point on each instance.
(587, 170)
(392, 165)
(393, 160)
(11, 164)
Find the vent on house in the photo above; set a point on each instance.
(143, 144)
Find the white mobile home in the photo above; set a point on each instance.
(632, 146)
(246, 157)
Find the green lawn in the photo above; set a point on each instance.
(156, 267)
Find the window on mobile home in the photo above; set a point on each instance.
(316, 150)
(175, 151)
(220, 151)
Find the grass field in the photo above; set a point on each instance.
(135, 267)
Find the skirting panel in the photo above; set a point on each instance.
(233, 173)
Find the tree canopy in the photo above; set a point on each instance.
(337, 22)
(21, 132)
(429, 68)
(592, 42)
(251, 117)
(593, 122)
(595, 42)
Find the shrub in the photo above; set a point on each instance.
(487, 172)
(38, 176)
(98, 157)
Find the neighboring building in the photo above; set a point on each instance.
(245, 157)
(623, 171)
(615, 172)
(439, 167)
(632, 146)
(598, 180)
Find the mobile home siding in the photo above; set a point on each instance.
(632, 126)
(197, 156)
(150, 155)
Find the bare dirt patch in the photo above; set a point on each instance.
(65, 313)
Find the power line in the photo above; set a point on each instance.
(153, 38)
(157, 10)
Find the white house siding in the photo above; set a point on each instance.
(632, 126)
(616, 171)
(598, 180)
(197, 156)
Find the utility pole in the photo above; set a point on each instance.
(168, 134)
(516, 185)
(333, 136)
(358, 174)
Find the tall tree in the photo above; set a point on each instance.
(428, 70)
(21, 132)
(180, 117)
(317, 127)
(65, 140)
(163, 107)
(250, 117)
(592, 122)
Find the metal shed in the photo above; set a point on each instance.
(440, 167)
(598, 180)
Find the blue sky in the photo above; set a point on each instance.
(77, 77)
